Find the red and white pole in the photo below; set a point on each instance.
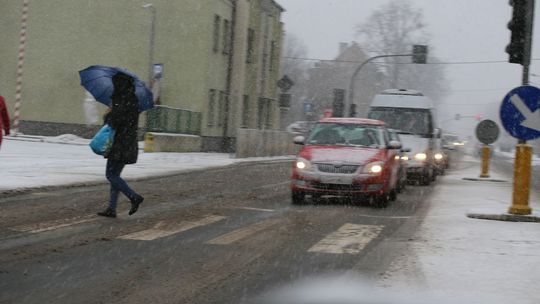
(20, 63)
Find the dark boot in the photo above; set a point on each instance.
(107, 213)
(135, 204)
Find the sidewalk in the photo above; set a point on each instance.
(37, 161)
(454, 256)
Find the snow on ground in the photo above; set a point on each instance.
(453, 256)
(33, 161)
(510, 156)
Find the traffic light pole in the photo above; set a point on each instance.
(523, 159)
(350, 100)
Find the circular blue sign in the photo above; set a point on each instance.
(520, 112)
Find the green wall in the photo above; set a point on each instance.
(65, 36)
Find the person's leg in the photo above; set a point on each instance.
(113, 175)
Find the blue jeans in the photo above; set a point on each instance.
(113, 172)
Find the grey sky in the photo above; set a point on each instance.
(461, 30)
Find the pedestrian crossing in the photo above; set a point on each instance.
(243, 233)
(349, 238)
(162, 229)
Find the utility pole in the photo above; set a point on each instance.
(419, 55)
(519, 51)
(152, 9)
(20, 64)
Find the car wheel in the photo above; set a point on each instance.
(298, 198)
(425, 180)
(382, 201)
(393, 195)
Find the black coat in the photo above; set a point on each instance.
(124, 119)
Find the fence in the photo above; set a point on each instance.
(257, 143)
(171, 120)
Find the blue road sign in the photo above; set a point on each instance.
(520, 112)
(308, 107)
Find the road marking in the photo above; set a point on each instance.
(350, 239)
(254, 209)
(53, 225)
(163, 229)
(242, 233)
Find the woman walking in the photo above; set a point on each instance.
(123, 117)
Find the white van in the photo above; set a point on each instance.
(413, 115)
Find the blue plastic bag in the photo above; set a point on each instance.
(102, 142)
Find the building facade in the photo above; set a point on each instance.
(327, 76)
(219, 58)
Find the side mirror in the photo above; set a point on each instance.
(299, 140)
(437, 133)
(448, 147)
(394, 145)
(406, 150)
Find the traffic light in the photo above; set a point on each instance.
(419, 53)
(520, 27)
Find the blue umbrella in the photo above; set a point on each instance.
(97, 80)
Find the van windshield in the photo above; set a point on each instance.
(405, 120)
(346, 135)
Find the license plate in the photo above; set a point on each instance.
(340, 180)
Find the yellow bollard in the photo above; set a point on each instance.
(522, 180)
(485, 161)
(148, 142)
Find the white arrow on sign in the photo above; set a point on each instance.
(532, 119)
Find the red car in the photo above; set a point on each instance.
(347, 157)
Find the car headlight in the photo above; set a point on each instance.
(303, 164)
(405, 157)
(438, 156)
(373, 168)
(420, 156)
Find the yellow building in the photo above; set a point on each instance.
(220, 61)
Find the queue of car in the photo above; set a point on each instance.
(371, 159)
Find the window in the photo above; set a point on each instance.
(226, 37)
(260, 117)
(273, 53)
(245, 111)
(217, 23)
(221, 108)
(250, 46)
(264, 113)
(268, 105)
(211, 107)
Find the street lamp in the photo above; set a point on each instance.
(152, 9)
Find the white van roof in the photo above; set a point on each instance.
(401, 98)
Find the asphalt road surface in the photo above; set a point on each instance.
(218, 236)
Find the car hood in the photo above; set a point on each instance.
(344, 155)
(416, 143)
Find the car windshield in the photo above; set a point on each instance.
(346, 134)
(405, 120)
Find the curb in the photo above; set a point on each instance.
(506, 217)
(474, 179)
(21, 191)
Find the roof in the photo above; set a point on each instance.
(402, 92)
(278, 6)
(400, 99)
(352, 120)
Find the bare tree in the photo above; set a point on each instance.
(394, 29)
(296, 69)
